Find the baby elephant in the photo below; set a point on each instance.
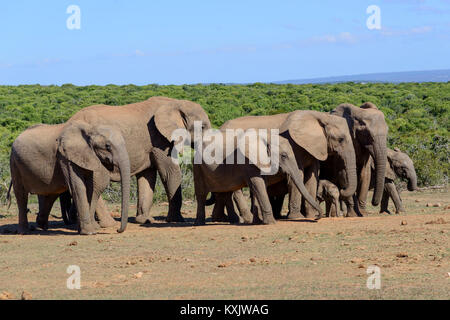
(328, 192)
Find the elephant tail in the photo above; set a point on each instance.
(8, 195)
(211, 200)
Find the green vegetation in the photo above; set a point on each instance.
(417, 113)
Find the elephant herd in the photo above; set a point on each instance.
(334, 157)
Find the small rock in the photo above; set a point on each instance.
(244, 238)
(357, 260)
(437, 205)
(73, 243)
(429, 205)
(138, 275)
(222, 265)
(26, 295)
(276, 241)
(403, 223)
(417, 200)
(402, 255)
(252, 260)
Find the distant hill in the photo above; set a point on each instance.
(393, 77)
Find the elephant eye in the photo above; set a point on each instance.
(108, 146)
(341, 140)
(284, 155)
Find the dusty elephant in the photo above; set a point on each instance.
(35, 169)
(401, 166)
(329, 192)
(221, 176)
(313, 136)
(368, 131)
(147, 129)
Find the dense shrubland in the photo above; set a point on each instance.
(417, 113)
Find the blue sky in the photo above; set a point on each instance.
(177, 42)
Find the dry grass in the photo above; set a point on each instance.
(289, 260)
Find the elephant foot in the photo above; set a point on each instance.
(351, 213)
(175, 217)
(400, 211)
(295, 215)
(143, 219)
(247, 218)
(269, 219)
(234, 219)
(311, 215)
(89, 229)
(363, 212)
(220, 218)
(23, 229)
(42, 223)
(199, 222)
(108, 223)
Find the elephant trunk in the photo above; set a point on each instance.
(380, 159)
(298, 181)
(350, 168)
(412, 182)
(124, 168)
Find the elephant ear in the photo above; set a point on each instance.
(73, 144)
(307, 132)
(168, 118)
(255, 148)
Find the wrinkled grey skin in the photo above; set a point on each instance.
(368, 131)
(314, 136)
(401, 166)
(227, 178)
(328, 192)
(35, 169)
(147, 129)
(69, 211)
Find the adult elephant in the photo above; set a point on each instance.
(368, 131)
(35, 167)
(399, 165)
(147, 129)
(224, 176)
(313, 136)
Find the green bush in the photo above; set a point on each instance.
(417, 114)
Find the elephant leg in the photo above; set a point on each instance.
(218, 214)
(384, 205)
(233, 217)
(256, 210)
(22, 202)
(311, 178)
(146, 181)
(241, 204)
(350, 204)
(201, 193)
(104, 217)
(68, 210)
(392, 190)
(295, 201)
(81, 192)
(336, 207)
(364, 189)
(45, 206)
(277, 205)
(259, 189)
(328, 212)
(170, 174)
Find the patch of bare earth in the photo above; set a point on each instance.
(289, 260)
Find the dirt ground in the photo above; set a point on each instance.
(290, 260)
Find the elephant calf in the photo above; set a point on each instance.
(328, 192)
(399, 165)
